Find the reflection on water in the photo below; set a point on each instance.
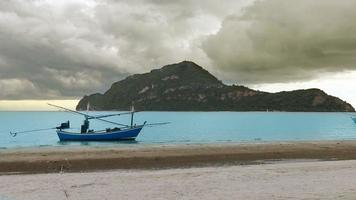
(93, 143)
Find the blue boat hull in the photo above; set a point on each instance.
(354, 119)
(126, 134)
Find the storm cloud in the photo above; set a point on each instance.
(286, 40)
(66, 49)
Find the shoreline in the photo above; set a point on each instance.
(83, 159)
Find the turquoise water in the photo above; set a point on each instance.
(186, 127)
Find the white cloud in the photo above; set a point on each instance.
(340, 85)
(22, 89)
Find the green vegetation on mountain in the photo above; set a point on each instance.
(185, 86)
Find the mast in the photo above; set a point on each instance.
(88, 106)
(132, 115)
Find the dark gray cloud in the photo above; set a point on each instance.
(286, 40)
(66, 49)
(49, 51)
(69, 48)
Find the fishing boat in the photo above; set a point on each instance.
(107, 135)
(353, 119)
(120, 132)
(123, 132)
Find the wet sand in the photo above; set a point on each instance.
(84, 159)
(327, 180)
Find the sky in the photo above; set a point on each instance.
(59, 51)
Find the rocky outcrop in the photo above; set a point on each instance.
(185, 86)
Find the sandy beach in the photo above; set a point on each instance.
(282, 180)
(281, 170)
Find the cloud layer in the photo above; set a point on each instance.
(69, 48)
(65, 49)
(286, 40)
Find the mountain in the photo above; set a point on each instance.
(185, 86)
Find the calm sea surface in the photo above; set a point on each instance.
(185, 127)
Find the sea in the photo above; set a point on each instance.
(183, 127)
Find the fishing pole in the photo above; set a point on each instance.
(13, 134)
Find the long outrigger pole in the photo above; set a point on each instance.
(94, 117)
(13, 134)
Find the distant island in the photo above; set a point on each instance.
(186, 86)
